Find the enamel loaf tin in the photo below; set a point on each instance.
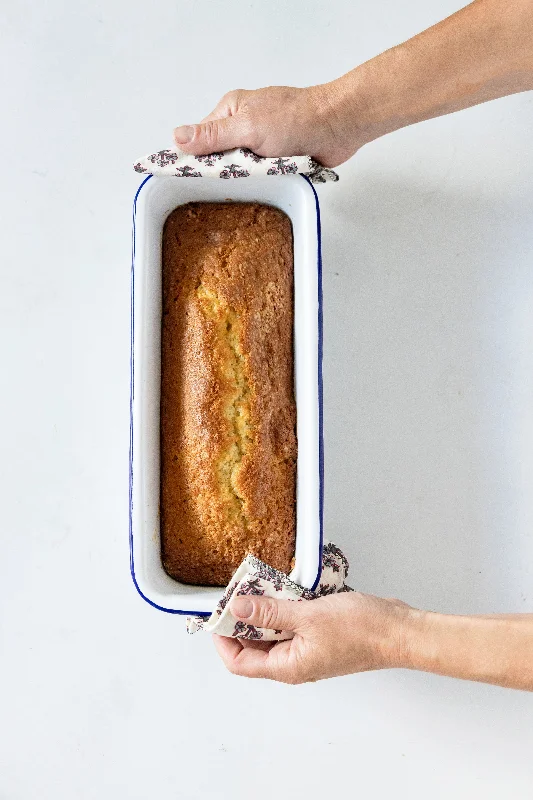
(155, 199)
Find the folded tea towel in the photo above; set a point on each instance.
(255, 577)
(238, 163)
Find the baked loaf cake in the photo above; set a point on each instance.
(228, 441)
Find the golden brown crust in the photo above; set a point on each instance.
(228, 441)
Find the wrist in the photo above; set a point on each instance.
(454, 645)
(339, 112)
(369, 101)
(378, 94)
(468, 647)
(392, 630)
(405, 632)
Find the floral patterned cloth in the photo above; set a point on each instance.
(238, 163)
(255, 577)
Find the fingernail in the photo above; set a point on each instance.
(184, 134)
(242, 607)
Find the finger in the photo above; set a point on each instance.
(213, 115)
(266, 612)
(242, 643)
(227, 648)
(212, 136)
(273, 664)
(257, 645)
(222, 110)
(251, 661)
(248, 662)
(227, 106)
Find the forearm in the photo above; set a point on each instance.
(482, 52)
(494, 649)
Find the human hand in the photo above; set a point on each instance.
(475, 55)
(277, 120)
(334, 635)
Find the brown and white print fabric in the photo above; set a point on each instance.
(255, 577)
(237, 163)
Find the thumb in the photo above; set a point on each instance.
(266, 612)
(211, 136)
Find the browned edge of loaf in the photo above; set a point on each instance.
(228, 414)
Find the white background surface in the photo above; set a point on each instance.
(428, 244)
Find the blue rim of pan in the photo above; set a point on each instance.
(320, 405)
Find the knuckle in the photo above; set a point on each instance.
(232, 95)
(233, 101)
(211, 133)
(269, 614)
